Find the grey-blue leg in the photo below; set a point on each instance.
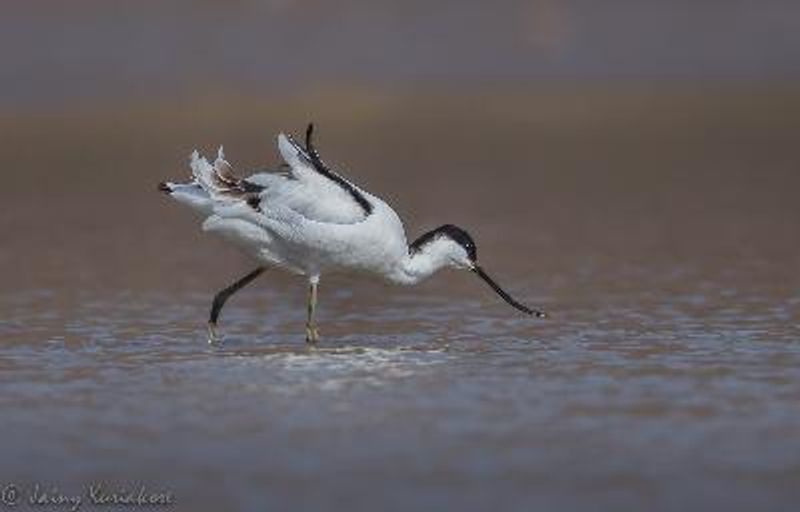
(222, 297)
(312, 333)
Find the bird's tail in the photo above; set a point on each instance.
(190, 194)
(209, 184)
(217, 179)
(214, 186)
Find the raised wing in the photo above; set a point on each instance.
(306, 187)
(313, 190)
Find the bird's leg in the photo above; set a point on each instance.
(222, 296)
(312, 334)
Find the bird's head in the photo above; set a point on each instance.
(452, 246)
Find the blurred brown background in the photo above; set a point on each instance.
(570, 132)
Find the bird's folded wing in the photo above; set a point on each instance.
(313, 201)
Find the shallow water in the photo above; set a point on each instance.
(619, 401)
(667, 378)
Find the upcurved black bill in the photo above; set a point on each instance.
(506, 297)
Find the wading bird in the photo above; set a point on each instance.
(307, 219)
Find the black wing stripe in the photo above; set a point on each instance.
(312, 155)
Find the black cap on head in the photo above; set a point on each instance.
(452, 232)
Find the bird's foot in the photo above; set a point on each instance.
(312, 335)
(213, 336)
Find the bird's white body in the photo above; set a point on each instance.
(308, 220)
(304, 222)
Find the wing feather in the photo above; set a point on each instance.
(304, 186)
